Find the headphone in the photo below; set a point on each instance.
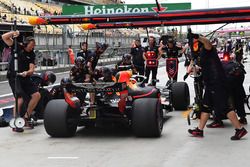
(28, 40)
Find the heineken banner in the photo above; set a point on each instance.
(115, 9)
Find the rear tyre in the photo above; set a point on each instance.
(60, 120)
(147, 117)
(180, 96)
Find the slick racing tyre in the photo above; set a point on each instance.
(60, 120)
(180, 95)
(147, 117)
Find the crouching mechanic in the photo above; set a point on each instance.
(26, 67)
(235, 75)
(215, 96)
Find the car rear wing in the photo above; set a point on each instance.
(99, 87)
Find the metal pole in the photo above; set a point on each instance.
(46, 35)
(105, 38)
(16, 70)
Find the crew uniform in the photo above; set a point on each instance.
(77, 74)
(138, 61)
(151, 54)
(215, 96)
(239, 51)
(173, 53)
(25, 85)
(235, 78)
(84, 55)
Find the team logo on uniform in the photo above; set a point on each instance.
(172, 67)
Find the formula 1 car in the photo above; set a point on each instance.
(143, 112)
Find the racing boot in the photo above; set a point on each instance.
(215, 124)
(239, 133)
(196, 132)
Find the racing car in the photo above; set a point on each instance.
(143, 109)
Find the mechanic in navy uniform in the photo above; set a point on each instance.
(137, 56)
(228, 47)
(92, 63)
(26, 67)
(151, 56)
(235, 75)
(84, 52)
(79, 72)
(172, 51)
(44, 79)
(95, 56)
(216, 96)
(238, 50)
(57, 91)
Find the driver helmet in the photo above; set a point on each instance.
(49, 77)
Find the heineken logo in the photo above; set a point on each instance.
(89, 10)
(116, 9)
(162, 9)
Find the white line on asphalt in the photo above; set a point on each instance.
(63, 157)
(3, 82)
(4, 95)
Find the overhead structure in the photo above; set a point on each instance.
(151, 19)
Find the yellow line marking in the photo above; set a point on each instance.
(186, 113)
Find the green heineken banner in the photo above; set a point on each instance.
(115, 9)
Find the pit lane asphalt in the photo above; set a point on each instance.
(117, 147)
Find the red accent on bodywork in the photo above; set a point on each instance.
(144, 95)
(67, 97)
(122, 105)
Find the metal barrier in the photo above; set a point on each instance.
(3, 66)
(51, 60)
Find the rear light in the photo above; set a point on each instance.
(226, 57)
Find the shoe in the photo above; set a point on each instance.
(239, 133)
(243, 121)
(19, 130)
(215, 124)
(196, 132)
